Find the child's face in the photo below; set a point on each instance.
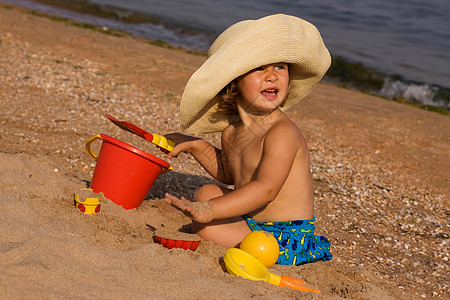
(263, 89)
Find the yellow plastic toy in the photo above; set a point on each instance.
(262, 245)
(88, 202)
(162, 142)
(240, 263)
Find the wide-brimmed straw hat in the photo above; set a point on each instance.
(243, 47)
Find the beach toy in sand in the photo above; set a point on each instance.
(174, 243)
(176, 239)
(240, 263)
(262, 245)
(154, 138)
(87, 201)
(123, 173)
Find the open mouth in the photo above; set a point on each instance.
(270, 92)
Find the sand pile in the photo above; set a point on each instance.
(50, 249)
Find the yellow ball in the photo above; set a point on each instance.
(262, 245)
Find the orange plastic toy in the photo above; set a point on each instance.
(262, 245)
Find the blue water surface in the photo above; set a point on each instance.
(408, 38)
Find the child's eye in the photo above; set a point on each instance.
(281, 67)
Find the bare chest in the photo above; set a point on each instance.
(243, 156)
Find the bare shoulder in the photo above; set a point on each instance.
(285, 131)
(228, 131)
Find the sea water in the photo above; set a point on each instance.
(407, 41)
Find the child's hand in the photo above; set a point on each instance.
(200, 212)
(183, 143)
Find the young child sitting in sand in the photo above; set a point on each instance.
(256, 70)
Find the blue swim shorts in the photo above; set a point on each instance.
(298, 244)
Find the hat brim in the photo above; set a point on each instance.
(246, 46)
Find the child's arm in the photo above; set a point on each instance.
(210, 158)
(279, 151)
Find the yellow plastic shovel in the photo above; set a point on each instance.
(240, 263)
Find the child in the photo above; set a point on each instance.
(256, 70)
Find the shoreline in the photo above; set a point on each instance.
(344, 72)
(381, 180)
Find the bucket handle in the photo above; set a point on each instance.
(94, 156)
(88, 145)
(165, 170)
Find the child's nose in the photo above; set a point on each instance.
(271, 75)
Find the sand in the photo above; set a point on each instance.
(380, 168)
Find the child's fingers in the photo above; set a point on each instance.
(198, 211)
(174, 153)
(178, 149)
(186, 206)
(182, 204)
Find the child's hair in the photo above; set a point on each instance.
(227, 99)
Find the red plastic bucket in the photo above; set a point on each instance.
(123, 173)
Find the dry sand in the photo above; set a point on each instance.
(381, 173)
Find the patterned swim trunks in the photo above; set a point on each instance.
(298, 244)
